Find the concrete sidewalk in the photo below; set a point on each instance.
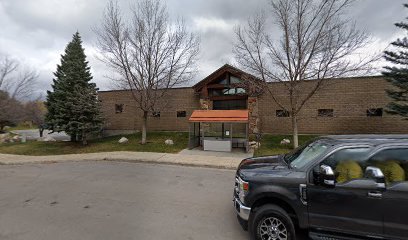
(147, 157)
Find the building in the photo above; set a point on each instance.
(345, 106)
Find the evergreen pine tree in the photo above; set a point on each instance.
(73, 104)
(397, 75)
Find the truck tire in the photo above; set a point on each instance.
(271, 222)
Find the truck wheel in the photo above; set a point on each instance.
(271, 222)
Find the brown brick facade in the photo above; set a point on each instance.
(179, 99)
(349, 98)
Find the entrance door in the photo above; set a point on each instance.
(347, 207)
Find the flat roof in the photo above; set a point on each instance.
(240, 116)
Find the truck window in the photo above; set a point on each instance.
(348, 164)
(303, 155)
(393, 163)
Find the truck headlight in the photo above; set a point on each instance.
(243, 188)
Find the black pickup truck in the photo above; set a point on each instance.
(334, 187)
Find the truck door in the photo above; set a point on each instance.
(394, 164)
(353, 205)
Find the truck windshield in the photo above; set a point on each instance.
(304, 154)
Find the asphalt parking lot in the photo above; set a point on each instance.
(112, 200)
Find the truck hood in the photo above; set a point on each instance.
(264, 166)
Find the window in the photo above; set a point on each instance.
(282, 113)
(223, 81)
(118, 108)
(301, 156)
(229, 81)
(348, 164)
(374, 112)
(181, 114)
(325, 113)
(234, 80)
(230, 104)
(227, 92)
(393, 163)
(156, 114)
(240, 91)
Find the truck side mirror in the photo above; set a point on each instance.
(375, 174)
(326, 176)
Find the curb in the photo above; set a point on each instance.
(119, 160)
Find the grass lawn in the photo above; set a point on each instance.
(270, 144)
(109, 144)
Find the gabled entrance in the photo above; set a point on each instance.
(226, 89)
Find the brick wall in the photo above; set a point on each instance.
(349, 98)
(179, 99)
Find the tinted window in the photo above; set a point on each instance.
(230, 104)
(282, 113)
(325, 112)
(181, 114)
(393, 163)
(374, 112)
(156, 114)
(118, 108)
(348, 164)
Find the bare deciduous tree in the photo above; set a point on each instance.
(34, 113)
(17, 81)
(317, 42)
(150, 53)
(9, 115)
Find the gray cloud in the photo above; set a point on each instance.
(37, 31)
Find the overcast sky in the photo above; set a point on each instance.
(37, 31)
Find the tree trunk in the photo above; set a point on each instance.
(295, 131)
(73, 137)
(84, 140)
(41, 131)
(144, 124)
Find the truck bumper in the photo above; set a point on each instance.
(242, 211)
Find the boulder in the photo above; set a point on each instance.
(123, 140)
(169, 142)
(254, 144)
(285, 142)
(16, 138)
(4, 135)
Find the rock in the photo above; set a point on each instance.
(254, 144)
(285, 142)
(123, 140)
(4, 135)
(16, 138)
(169, 142)
(46, 139)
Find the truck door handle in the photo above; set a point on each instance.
(374, 194)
